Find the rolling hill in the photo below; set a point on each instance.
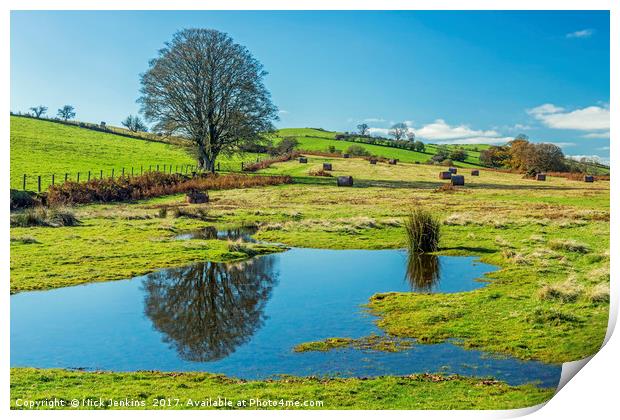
(312, 139)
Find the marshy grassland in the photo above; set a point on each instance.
(548, 301)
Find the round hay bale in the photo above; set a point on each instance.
(417, 162)
(197, 197)
(588, 178)
(458, 180)
(452, 170)
(373, 161)
(541, 177)
(445, 175)
(303, 160)
(392, 161)
(345, 181)
(327, 166)
(346, 156)
(475, 172)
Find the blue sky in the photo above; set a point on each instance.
(454, 77)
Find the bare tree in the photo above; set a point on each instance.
(67, 112)
(363, 129)
(411, 135)
(39, 110)
(134, 124)
(205, 87)
(398, 131)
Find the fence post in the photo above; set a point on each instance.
(52, 179)
(66, 176)
(149, 168)
(132, 171)
(141, 167)
(123, 172)
(88, 176)
(164, 168)
(170, 166)
(157, 168)
(112, 173)
(101, 174)
(78, 177)
(241, 166)
(39, 182)
(218, 166)
(24, 183)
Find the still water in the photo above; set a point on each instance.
(243, 319)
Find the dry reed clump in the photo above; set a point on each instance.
(599, 293)
(459, 219)
(240, 246)
(502, 242)
(600, 274)
(263, 164)
(199, 213)
(446, 188)
(319, 172)
(569, 245)
(567, 291)
(44, 216)
(423, 231)
(363, 222)
(152, 184)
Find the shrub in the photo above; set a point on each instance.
(263, 164)
(24, 199)
(162, 212)
(423, 231)
(357, 150)
(152, 184)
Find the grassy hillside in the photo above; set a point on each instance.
(320, 140)
(44, 148)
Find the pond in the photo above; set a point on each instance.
(244, 319)
(211, 232)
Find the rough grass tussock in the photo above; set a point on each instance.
(422, 231)
(44, 216)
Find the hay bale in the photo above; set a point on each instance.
(475, 172)
(327, 166)
(588, 178)
(392, 161)
(303, 160)
(346, 156)
(373, 161)
(417, 162)
(458, 180)
(452, 170)
(197, 197)
(445, 175)
(345, 181)
(541, 177)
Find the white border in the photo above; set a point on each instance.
(593, 394)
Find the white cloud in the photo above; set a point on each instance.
(597, 158)
(373, 120)
(562, 143)
(376, 131)
(602, 135)
(476, 140)
(584, 33)
(440, 130)
(603, 148)
(283, 112)
(589, 118)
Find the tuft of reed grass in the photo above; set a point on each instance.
(599, 293)
(44, 216)
(423, 231)
(565, 292)
(24, 239)
(569, 245)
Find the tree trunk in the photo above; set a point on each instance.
(206, 161)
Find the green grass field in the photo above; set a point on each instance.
(44, 148)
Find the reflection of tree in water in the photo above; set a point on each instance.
(207, 310)
(423, 271)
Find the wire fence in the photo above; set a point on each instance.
(39, 183)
